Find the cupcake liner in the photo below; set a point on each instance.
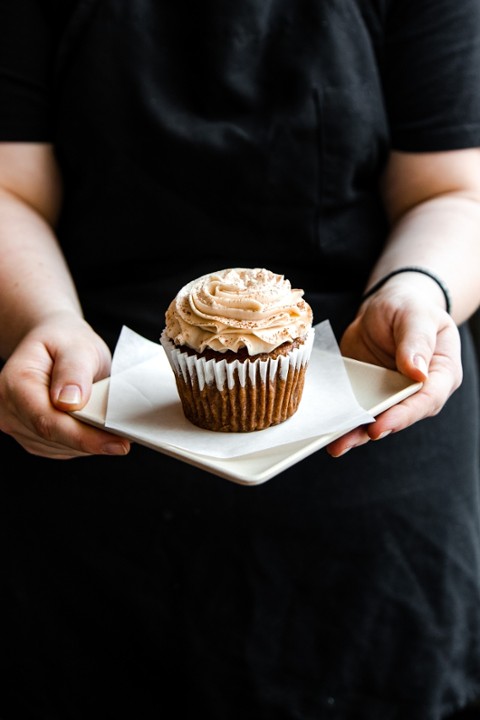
(239, 396)
(219, 372)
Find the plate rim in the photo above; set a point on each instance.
(231, 468)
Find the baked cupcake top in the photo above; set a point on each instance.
(237, 308)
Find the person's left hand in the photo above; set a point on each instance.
(410, 333)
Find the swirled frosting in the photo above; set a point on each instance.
(236, 308)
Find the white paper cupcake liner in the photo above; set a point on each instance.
(239, 396)
(221, 373)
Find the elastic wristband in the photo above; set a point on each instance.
(441, 285)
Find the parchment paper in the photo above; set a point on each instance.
(143, 401)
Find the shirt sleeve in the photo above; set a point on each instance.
(432, 74)
(25, 65)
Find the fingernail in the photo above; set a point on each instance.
(344, 452)
(70, 395)
(384, 434)
(115, 449)
(420, 364)
(355, 445)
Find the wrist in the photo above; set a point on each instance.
(416, 277)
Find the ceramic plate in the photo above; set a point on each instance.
(375, 388)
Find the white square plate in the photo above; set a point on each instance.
(375, 388)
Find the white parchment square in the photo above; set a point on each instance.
(143, 401)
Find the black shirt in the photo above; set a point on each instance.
(231, 130)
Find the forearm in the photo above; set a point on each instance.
(442, 235)
(34, 279)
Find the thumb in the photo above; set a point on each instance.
(75, 370)
(415, 366)
(415, 350)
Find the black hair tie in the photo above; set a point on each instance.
(423, 271)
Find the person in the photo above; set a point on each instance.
(144, 144)
(475, 328)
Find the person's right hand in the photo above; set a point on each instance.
(50, 374)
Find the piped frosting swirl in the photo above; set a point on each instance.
(236, 308)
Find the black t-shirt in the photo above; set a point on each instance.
(227, 134)
(194, 136)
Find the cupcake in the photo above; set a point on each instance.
(239, 341)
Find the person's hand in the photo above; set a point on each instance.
(49, 374)
(402, 329)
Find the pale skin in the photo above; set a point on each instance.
(54, 356)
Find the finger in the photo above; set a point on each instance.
(60, 436)
(423, 339)
(28, 415)
(355, 438)
(425, 403)
(75, 369)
